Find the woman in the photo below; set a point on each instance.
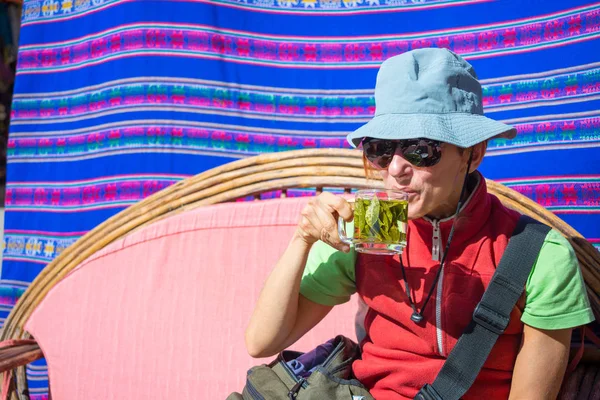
(427, 138)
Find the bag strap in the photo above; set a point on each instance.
(491, 315)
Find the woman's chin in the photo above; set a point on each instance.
(414, 209)
(414, 215)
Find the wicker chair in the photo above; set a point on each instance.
(320, 168)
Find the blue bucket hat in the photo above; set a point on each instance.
(430, 93)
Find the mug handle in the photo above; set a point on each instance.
(342, 231)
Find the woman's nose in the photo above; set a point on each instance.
(399, 167)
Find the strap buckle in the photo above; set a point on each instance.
(490, 319)
(427, 392)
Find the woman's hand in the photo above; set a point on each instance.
(319, 220)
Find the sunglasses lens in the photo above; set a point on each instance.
(413, 158)
(418, 152)
(379, 152)
(422, 152)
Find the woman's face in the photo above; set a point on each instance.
(433, 191)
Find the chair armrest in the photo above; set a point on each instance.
(19, 352)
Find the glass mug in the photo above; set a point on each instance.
(380, 222)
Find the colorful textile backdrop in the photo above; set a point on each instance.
(116, 100)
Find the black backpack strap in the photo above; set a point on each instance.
(491, 315)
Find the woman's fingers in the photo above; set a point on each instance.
(329, 228)
(306, 229)
(337, 204)
(320, 220)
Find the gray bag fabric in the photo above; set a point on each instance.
(330, 379)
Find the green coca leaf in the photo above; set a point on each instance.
(380, 220)
(372, 214)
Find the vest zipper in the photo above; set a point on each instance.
(436, 241)
(438, 314)
(436, 250)
(436, 255)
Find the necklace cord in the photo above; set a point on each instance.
(439, 271)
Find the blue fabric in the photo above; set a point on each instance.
(116, 99)
(430, 93)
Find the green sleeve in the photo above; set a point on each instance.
(329, 275)
(556, 294)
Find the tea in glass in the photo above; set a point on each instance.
(380, 222)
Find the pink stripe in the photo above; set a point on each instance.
(582, 211)
(209, 57)
(114, 178)
(74, 209)
(548, 178)
(468, 56)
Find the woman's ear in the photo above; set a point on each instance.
(478, 154)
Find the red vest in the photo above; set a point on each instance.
(400, 356)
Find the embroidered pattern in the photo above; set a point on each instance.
(241, 47)
(41, 248)
(563, 195)
(84, 195)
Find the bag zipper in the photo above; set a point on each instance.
(303, 383)
(291, 373)
(332, 355)
(296, 389)
(253, 392)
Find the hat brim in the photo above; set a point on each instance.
(460, 129)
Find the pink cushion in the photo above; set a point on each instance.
(161, 314)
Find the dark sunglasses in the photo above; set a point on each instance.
(418, 152)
